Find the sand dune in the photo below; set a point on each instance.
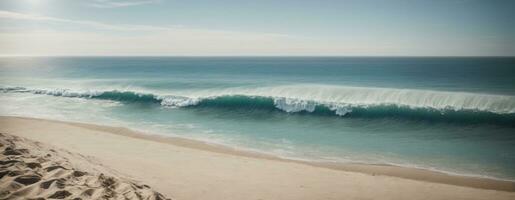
(32, 170)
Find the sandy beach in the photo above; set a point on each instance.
(185, 169)
(257, 100)
(32, 170)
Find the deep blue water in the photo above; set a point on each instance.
(448, 114)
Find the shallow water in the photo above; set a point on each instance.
(448, 114)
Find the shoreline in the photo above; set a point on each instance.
(417, 174)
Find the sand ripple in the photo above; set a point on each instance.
(31, 170)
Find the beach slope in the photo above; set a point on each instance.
(208, 172)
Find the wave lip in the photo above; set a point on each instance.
(178, 101)
(294, 105)
(328, 100)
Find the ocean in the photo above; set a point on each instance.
(450, 114)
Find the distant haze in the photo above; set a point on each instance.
(264, 27)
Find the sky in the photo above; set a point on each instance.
(257, 28)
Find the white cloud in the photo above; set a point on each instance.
(95, 24)
(122, 27)
(121, 3)
(130, 39)
(187, 42)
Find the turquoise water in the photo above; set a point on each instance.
(455, 115)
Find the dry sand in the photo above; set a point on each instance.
(32, 170)
(185, 169)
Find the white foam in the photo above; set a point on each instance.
(341, 99)
(294, 105)
(178, 101)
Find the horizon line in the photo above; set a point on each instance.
(378, 56)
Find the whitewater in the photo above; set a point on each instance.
(306, 97)
(455, 115)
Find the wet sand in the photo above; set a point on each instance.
(188, 169)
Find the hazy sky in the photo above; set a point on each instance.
(258, 27)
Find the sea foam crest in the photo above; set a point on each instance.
(67, 92)
(299, 98)
(340, 97)
(178, 101)
(294, 105)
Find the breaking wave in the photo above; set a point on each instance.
(324, 100)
